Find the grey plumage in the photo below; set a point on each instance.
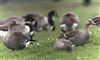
(15, 40)
(62, 44)
(19, 20)
(42, 22)
(80, 36)
(8, 20)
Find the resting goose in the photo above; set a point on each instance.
(62, 44)
(69, 22)
(80, 36)
(24, 27)
(42, 22)
(14, 39)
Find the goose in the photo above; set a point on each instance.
(62, 44)
(24, 27)
(80, 36)
(15, 40)
(43, 22)
(69, 22)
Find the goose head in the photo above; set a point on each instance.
(51, 19)
(53, 13)
(31, 21)
(96, 20)
(90, 22)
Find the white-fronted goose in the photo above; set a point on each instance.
(69, 22)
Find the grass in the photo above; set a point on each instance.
(91, 50)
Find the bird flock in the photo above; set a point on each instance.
(17, 32)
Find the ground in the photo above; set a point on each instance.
(90, 51)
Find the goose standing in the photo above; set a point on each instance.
(15, 40)
(80, 36)
(43, 22)
(69, 22)
(62, 44)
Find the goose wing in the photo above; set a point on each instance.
(71, 34)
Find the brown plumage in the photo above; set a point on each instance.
(69, 22)
(80, 36)
(96, 20)
(62, 44)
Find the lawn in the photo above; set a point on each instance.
(90, 51)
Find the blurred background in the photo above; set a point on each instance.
(20, 7)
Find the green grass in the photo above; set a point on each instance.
(91, 50)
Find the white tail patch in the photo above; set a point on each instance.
(74, 26)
